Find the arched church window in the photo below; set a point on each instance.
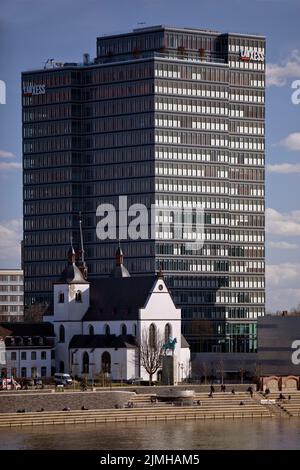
(106, 363)
(152, 336)
(91, 330)
(78, 296)
(61, 298)
(106, 330)
(168, 331)
(123, 329)
(85, 363)
(61, 334)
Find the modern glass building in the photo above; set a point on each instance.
(172, 117)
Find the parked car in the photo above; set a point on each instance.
(9, 384)
(27, 383)
(135, 380)
(62, 379)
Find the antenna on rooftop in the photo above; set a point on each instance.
(84, 267)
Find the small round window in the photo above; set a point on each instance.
(160, 287)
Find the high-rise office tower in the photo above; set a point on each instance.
(166, 116)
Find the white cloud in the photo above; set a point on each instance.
(283, 274)
(291, 142)
(10, 166)
(278, 223)
(283, 245)
(5, 154)
(278, 74)
(10, 238)
(284, 168)
(282, 299)
(283, 287)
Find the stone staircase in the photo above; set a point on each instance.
(289, 407)
(221, 406)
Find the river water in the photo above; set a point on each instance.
(230, 434)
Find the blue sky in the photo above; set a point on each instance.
(31, 31)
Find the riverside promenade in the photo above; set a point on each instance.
(114, 406)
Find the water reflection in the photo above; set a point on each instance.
(246, 434)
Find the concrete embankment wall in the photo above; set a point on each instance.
(11, 402)
(198, 388)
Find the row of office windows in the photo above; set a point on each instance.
(214, 250)
(218, 313)
(219, 297)
(127, 44)
(190, 106)
(139, 104)
(247, 143)
(214, 282)
(243, 236)
(54, 269)
(203, 203)
(139, 169)
(117, 139)
(62, 238)
(244, 282)
(135, 154)
(249, 96)
(142, 121)
(238, 44)
(204, 187)
(11, 288)
(53, 78)
(12, 308)
(106, 91)
(43, 207)
(183, 105)
(54, 95)
(247, 79)
(247, 128)
(178, 169)
(50, 222)
(211, 266)
(187, 122)
(168, 202)
(118, 73)
(11, 298)
(204, 73)
(101, 92)
(11, 278)
(236, 158)
(190, 138)
(47, 113)
(208, 171)
(119, 155)
(244, 65)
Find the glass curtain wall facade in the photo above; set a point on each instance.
(164, 116)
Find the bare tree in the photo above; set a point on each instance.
(150, 352)
(221, 368)
(200, 370)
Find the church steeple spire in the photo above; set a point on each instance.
(83, 266)
(72, 274)
(71, 252)
(120, 270)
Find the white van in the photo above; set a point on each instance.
(63, 379)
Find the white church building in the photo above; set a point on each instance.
(100, 325)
